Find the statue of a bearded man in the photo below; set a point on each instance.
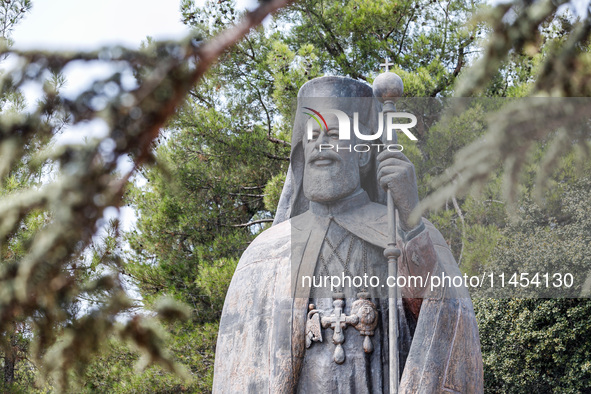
(285, 328)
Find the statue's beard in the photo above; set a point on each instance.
(330, 182)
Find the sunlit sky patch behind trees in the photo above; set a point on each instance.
(71, 24)
(81, 24)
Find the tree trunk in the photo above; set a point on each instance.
(9, 361)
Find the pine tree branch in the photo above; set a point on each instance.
(274, 157)
(247, 195)
(278, 141)
(461, 215)
(503, 39)
(252, 187)
(209, 53)
(253, 223)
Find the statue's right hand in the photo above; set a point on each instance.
(396, 173)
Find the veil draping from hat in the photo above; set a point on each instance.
(344, 94)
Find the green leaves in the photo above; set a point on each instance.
(352, 38)
(535, 345)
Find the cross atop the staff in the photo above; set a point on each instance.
(386, 65)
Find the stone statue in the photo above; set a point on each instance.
(281, 333)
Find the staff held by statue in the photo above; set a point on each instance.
(388, 88)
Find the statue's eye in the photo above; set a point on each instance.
(333, 133)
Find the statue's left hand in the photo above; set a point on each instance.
(397, 174)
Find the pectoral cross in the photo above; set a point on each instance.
(364, 318)
(386, 65)
(338, 321)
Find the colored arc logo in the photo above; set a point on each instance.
(316, 118)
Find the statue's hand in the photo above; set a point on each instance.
(397, 174)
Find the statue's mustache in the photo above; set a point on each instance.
(324, 155)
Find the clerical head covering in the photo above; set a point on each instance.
(348, 96)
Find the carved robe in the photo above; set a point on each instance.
(261, 342)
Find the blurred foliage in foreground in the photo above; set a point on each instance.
(62, 294)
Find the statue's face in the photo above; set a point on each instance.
(329, 174)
